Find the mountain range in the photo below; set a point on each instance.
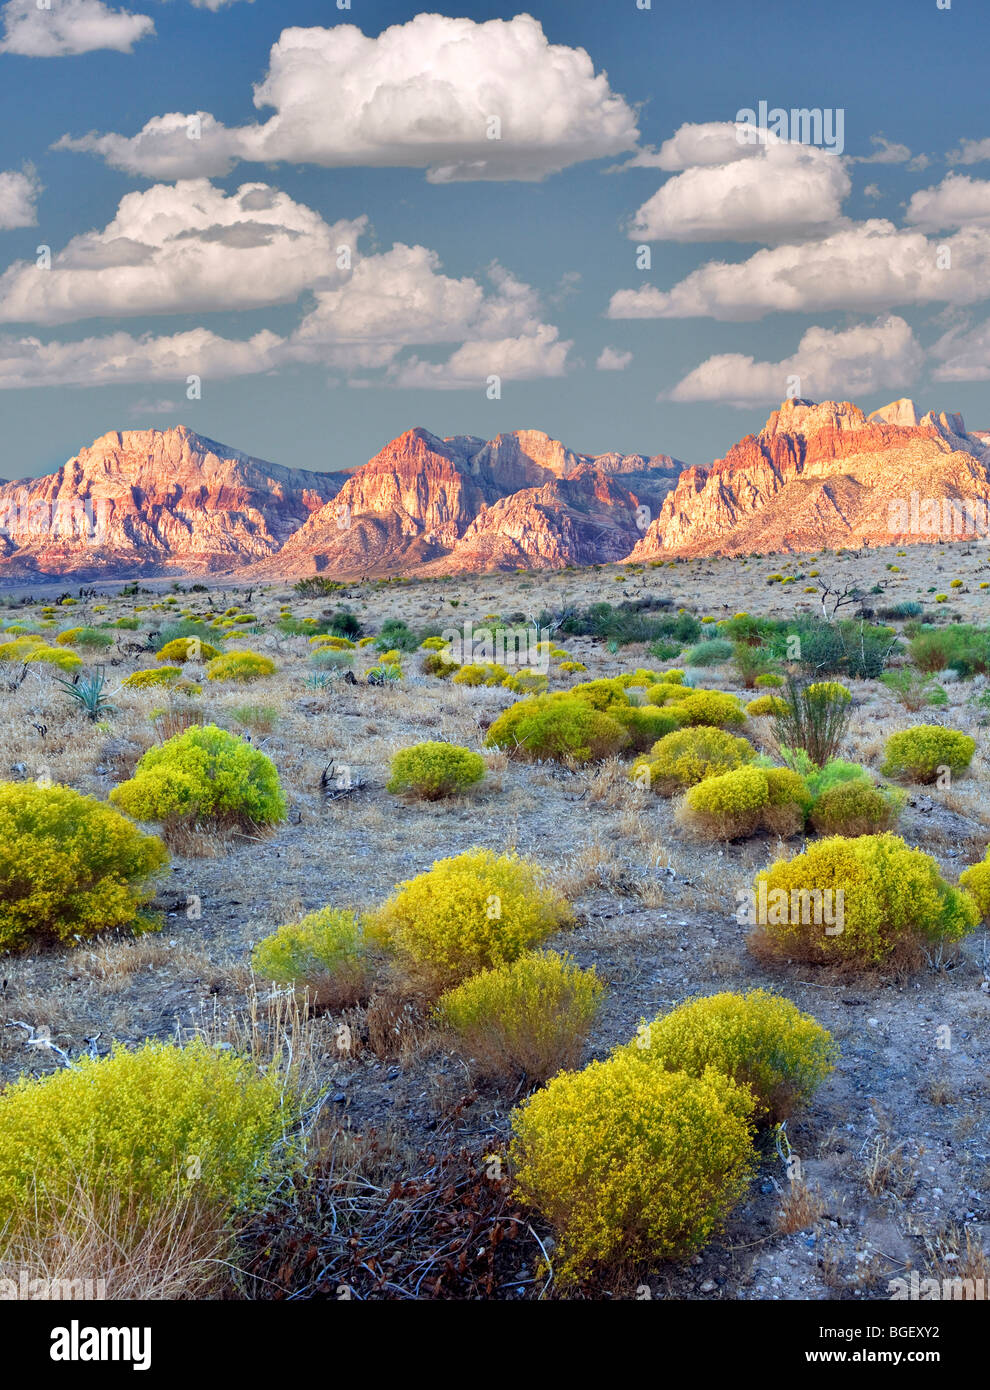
(146, 502)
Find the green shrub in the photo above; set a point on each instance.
(260, 719)
(894, 903)
(712, 708)
(815, 719)
(632, 1163)
(436, 664)
(240, 666)
(526, 1020)
(920, 754)
(431, 771)
(203, 774)
(600, 694)
(857, 807)
(833, 774)
(768, 681)
(69, 865)
(667, 692)
(556, 728)
(183, 649)
(713, 653)
(646, 724)
(84, 637)
(914, 691)
(333, 659)
(133, 1123)
(469, 913)
(681, 759)
(184, 628)
(326, 954)
(958, 647)
(758, 1039)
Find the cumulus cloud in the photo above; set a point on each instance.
(971, 152)
(18, 195)
(963, 354)
(958, 201)
(776, 191)
(693, 145)
(885, 152)
(524, 358)
(828, 364)
(460, 99)
(612, 359)
(70, 27)
(187, 247)
(867, 267)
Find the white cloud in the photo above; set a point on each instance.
(70, 27)
(612, 359)
(867, 267)
(958, 201)
(528, 357)
(828, 364)
(420, 95)
(183, 248)
(885, 152)
(696, 145)
(781, 191)
(121, 357)
(963, 354)
(971, 152)
(18, 195)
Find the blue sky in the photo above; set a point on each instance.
(862, 274)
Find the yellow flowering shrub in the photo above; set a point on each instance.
(760, 1040)
(434, 770)
(681, 759)
(830, 690)
(162, 675)
(203, 774)
(713, 708)
(857, 807)
(70, 866)
(976, 881)
(147, 1123)
(646, 724)
(765, 705)
(326, 954)
(240, 666)
(630, 1162)
(527, 1019)
(918, 754)
(183, 649)
(468, 913)
(556, 728)
(667, 691)
(883, 898)
(481, 673)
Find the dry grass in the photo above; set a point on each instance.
(801, 1207)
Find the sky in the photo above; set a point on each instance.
(302, 227)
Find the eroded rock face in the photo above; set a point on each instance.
(823, 475)
(145, 501)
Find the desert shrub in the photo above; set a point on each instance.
(49, 656)
(760, 1040)
(729, 806)
(396, 635)
(751, 662)
(162, 675)
(469, 913)
(385, 674)
(635, 620)
(814, 720)
(337, 644)
(920, 754)
(480, 673)
(132, 1121)
(646, 724)
(183, 649)
(331, 659)
(528, 1019)
(766, 705)
(70, 866)
(260, 719)
(894, 902)
(436, 664)
(639, 679)
(556, 728)
(84, 637)
(432, 770)
(681, 759)
(434, 644)
(712, 653)
(326, 954)
(832, 690)
(768, 681)
(183, 628)
(713, 708)
(959, 647)
(976, 881)
(600, 694)
(317, 586)
(914, 691)
(526, 682)
(203, 774)
(240, 666)
(666, 692)
(857, 807)
(127, 624)
(788, 801)
(834, 772)
(571, 667)
(630, 1162)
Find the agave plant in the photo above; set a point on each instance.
(87, 691)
